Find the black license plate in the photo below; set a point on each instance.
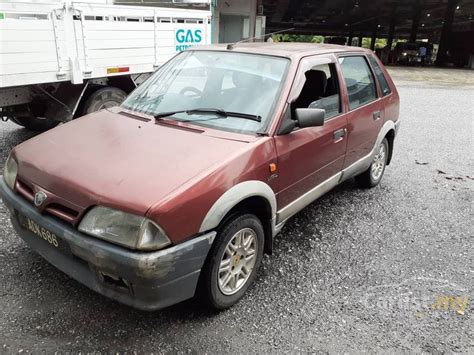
(41, 232)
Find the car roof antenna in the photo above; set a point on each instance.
(231, 46)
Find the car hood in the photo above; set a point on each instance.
(111, 159)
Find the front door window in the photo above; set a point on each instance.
(321, 90)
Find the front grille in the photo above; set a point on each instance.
(25, 190)
(54, 206)
(65, 213)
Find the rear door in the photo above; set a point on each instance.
(310, 156)
(389, 96)
(365, 117)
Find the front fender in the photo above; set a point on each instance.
(232, 197)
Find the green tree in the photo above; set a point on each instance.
(379, 42)
(297, 38)
(318, 39)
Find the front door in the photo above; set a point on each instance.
(308, 158)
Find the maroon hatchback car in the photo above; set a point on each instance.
(182, 189)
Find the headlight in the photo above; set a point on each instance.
(405, 53)
(10, 171)
(122, 228)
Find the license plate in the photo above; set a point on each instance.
(40, 231)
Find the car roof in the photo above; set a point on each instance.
(292, 50)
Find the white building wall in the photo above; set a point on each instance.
(245, 8)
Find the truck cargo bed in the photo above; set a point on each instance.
(62, 41)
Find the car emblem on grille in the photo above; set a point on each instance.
(40, 197)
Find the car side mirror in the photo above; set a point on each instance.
(309, 117)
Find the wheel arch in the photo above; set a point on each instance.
(250, 196)
(122, 82)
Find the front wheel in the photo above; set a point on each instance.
(233, 261)
(104, 98)
(373, 175)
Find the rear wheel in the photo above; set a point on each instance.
(233, 261)
(34, 116)
(36, 123)
(104, 98)
(373, 175)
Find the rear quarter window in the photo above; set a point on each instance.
(380, 76)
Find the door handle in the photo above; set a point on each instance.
(339, 135)
(376, 115)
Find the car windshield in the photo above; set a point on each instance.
(228, 81)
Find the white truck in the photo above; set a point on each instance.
(62, 59)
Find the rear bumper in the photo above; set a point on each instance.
(143, 280)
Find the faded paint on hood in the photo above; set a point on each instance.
(109, 159)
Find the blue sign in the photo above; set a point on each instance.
(187, 38)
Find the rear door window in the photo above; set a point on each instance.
(380, 77)
(359, 80)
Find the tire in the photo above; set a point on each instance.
(213, 289)
(104, 98)
(373, 175)
(36, 123)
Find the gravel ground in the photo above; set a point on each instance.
(357, 270)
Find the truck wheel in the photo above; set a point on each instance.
(40, 124)
(104, 98)
(233, 261)
(373, 175)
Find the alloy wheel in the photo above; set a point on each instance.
(238, 261)
(378, 163)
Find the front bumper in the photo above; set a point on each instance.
(144, 280)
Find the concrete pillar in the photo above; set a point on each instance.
(442, 57)
(374, 36)
(416, 21)
(349, 37)
(253, 17)
(214, 22)
(391, 28)
(372, 41)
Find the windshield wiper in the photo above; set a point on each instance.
(219, 112)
